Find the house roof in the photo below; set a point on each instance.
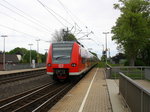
(9, 58)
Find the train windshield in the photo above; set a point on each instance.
(62, 53)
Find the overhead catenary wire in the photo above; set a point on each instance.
(76, 24)
(32, 36)
(39, 22)
(59, 15)
(66, 10)
(49, 10)
(46, 8)
(52, 11)
(69, 13)
(73, 16)
(36, 28)
(76, 29)
(30, 20)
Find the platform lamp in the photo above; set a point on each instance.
(46, 51)
(30, 52)
(106, 43)
(4, 60)
(38, 51)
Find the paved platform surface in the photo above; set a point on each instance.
(89, 95)
(118, 104)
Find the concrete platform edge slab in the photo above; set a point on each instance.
(117, 102)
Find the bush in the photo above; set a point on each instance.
(126, 63)
(101, 64)
(137, 63)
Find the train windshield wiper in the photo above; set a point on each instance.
(58, 57)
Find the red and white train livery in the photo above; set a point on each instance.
(68, 59)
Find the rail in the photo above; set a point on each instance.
(39, 99)
(12, 98)
(29, 98)
(21, 75)
(136, 96)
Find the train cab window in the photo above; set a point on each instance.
(62, 53)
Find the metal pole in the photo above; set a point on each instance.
(103, 46)
(38, 51)
(4, 57)
(106, 43)
(109, 52)
(46, 51)
(30, 52)
(30, 55)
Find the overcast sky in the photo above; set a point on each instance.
(25, 21)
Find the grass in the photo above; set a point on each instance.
(131, 75)
(131, 69)
(113, 65)
(101, 64)
(148, 80)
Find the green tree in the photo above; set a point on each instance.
(70, 37)
(144, 54)
(103, 58)
(132, 29)
(63, 35)
(26, 55)
(93, 53)
(43, 57)
(18, 50)
(26, 58)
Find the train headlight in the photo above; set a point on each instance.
(48, 64)
(73, 65)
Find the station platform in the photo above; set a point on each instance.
(92, 94)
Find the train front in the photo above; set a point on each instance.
(59, 62)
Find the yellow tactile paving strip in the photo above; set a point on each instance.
(97, 100)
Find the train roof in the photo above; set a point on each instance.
(69, 42)
(63, 42)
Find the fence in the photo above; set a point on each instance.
(22, 66)
(135, 72)
(137, 98)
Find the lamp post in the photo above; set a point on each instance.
(46, 51)
(4, 60)
(38, 51)
(30, 52)
(109, 52)
(103, 47)
(106, 43)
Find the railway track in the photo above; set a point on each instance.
(39, 99)
(19, 76)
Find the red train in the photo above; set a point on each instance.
(67, 60)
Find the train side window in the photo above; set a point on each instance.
(83, 60)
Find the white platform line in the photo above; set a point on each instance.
(87, 93)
